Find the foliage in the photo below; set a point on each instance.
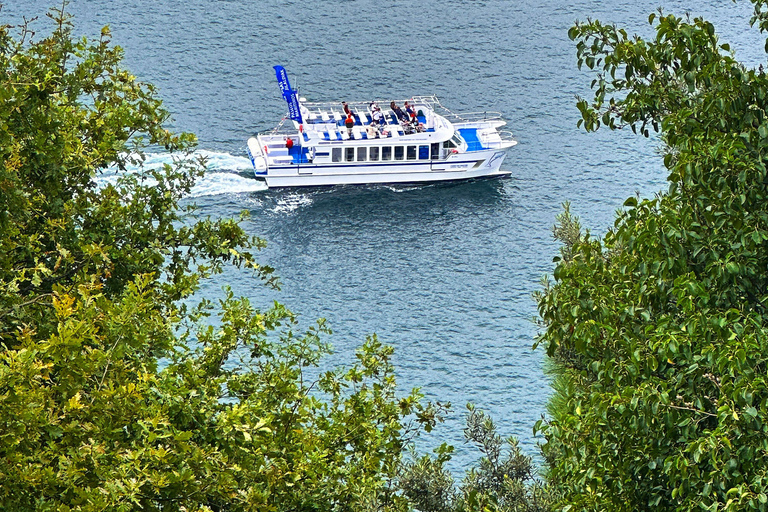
(659, 332)
(498, 483)
(116, 395)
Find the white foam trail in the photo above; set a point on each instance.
(225, 161)
(291, 203)
(224, 174)
(218, 183)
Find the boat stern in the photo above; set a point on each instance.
(258, 156)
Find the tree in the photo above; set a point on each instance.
(116, 395)
(500, 482)
(659, 331)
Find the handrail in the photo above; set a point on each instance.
(430, 101)
(471, 117)
(509, 134)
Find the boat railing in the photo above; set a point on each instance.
(473, 117)
(506, 136)
(432, 102)
(505, 140)
(458, 117)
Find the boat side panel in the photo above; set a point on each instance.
(292, 176)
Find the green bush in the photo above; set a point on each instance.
(94, 287)
(658, 332)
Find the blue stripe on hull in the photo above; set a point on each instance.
(353, 165)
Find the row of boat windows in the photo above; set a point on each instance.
(384, 153)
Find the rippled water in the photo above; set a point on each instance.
(442, 272)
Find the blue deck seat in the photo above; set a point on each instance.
(295, 153)
(470, 135)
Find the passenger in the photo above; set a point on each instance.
(347, 111)
(409, 110)
(398, 112)
(372, 131)
(378, 116)
(350, 123)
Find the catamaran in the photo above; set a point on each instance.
(377, 142)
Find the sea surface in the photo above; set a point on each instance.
(445, 272)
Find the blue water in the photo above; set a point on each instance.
(444, 273)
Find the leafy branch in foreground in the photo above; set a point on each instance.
(658, 332)
(498, 483)
(115, 393)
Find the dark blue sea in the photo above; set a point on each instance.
(444, 273)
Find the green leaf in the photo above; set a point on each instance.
(630, 202)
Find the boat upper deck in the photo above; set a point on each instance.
(325, 122)
(324, 128)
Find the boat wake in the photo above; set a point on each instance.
(226, 174)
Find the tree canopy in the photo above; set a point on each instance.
(115, 392)
(659, 331)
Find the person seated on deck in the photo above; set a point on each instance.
(410, 111)
(377, 116)
(350, 123)
(372, 131)
(398, 111)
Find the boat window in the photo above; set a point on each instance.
(336, 155)
(456, 139)
(423, 152)
(386, 153)
(449, 144)
(373, 154)
(350, 157)
(435, 151)
(399, 150)
(361, 154)
(411, 152)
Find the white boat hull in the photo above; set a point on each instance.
(473, 165)
(327, 150)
